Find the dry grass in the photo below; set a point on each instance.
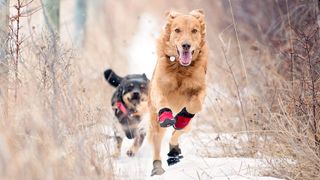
(53, 129)
(276, 90)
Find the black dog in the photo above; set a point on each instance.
(128, 102)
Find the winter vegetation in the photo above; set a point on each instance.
(261, 118)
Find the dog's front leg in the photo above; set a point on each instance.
(156, 144)
(165, 115)
(184, 117)
(138, 140)
(156, 134)
(195, 104)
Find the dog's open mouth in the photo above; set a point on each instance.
(185, 57)
(135, 100)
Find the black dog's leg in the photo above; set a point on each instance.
(138, 140)
(118, 146)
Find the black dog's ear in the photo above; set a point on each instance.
(112, 78)
(145, 77)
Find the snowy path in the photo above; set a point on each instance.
(191, 166)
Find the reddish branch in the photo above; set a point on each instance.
(16, 37)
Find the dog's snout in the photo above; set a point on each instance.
(186, 46)
(136, 95)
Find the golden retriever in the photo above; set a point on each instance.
(179, 81)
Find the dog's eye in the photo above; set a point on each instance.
(177, 30)
(194, 31)
(130, 86)
(142, 86)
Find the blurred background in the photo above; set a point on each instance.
(263, 83)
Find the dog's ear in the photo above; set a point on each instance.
(145, 77)
(171, 14)
(198, 13)
(112, 77)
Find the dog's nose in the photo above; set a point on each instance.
(186, 46)
(136, 95)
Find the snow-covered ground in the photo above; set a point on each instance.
(192, 166)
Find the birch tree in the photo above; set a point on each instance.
(4, 30)
(51, 10)
(80, 22)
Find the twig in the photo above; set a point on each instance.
(237, 88)
(238, 42)
(17, 43)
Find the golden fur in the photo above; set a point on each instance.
(173, 85)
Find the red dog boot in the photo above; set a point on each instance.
(183, 118)
(166, 118)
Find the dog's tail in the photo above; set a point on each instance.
(112, 77)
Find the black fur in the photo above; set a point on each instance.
(134, 87)
(129, 84)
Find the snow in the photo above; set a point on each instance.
(192, 166)
(142, 52)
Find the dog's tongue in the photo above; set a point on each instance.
(186, 57)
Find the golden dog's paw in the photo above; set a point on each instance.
(157, 168)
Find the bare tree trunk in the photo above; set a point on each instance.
(318, 12)
(4, 71)
(52, 15)
(80, 22)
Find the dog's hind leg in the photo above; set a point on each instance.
(174, 149)
(177, 133)
(118, 139)
(155, 136)
(138, 140)
(118, 146)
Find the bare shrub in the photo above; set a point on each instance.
(281, 90)
(51, 131)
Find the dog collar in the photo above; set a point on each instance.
(121, 107)
(172, 58)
